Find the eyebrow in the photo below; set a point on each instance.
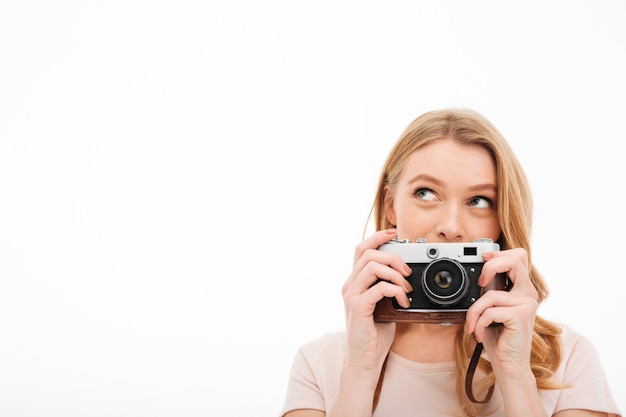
(440, 183)
(428, 178)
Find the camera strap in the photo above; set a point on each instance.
(470, 376)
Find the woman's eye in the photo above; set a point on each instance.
(425, 194)
(481, 202)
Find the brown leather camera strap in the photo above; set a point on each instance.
(470, 376)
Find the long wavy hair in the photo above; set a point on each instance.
(514, 214)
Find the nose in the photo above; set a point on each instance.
(450, 224)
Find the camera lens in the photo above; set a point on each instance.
(445, 282)
(443, 279)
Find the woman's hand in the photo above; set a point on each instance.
(376, 274)
(508, 345)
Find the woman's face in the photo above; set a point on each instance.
(447, 192)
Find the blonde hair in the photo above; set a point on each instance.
(514, 214)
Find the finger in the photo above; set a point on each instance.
(384, 289)
(493, 299)
(492, 307)
(373, 272)
(384, 258)
(374, 255)
(513, 263)
(373, 242)
(491, 316)
(519, 318)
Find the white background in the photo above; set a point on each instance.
(182, 184)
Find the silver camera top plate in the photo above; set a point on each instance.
(422, 251)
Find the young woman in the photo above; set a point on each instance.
(451, 177)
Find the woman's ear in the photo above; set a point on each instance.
(390, 213)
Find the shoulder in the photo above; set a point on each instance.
(315, 373)
(324, 355)
(578, 355)
(581, 372)
(573, 341)
(330, 344)
(318, 363)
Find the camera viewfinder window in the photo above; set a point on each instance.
(469, 250)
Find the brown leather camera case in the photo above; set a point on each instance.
(385, 311)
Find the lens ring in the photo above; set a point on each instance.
(445, 282)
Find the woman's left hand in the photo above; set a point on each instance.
(508, 345)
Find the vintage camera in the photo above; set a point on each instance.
(444, 280)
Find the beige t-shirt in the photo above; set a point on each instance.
(429, 389)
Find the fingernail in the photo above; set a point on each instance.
(391, 231)
(488, 256)
(409, 287)
(407, 270)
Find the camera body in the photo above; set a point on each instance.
(444, 280)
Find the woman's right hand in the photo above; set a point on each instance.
(375, 275)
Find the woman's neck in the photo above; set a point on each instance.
(425, 342)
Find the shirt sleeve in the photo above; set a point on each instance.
(303, 391)
(586, 384)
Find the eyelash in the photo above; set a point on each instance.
(481, 197)
(422, 189)
(487, 199)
